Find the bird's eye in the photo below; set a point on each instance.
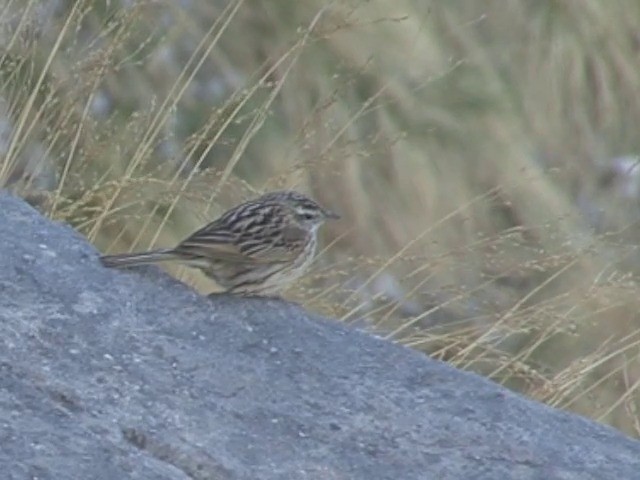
(308, 216)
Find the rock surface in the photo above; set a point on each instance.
(108, 374)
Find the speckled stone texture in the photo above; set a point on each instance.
(108, 374)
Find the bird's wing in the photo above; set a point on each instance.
(284, 246)
(245, 243)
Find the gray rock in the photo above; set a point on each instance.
(108, 374)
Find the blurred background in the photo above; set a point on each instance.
(483, 155)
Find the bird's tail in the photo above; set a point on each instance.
(142, 258)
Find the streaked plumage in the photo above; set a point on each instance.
(256, 248)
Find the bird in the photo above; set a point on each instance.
(256, 248)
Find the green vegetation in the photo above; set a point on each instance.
(469, 147)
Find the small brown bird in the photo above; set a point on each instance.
(256, 248)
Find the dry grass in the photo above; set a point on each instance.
(468, 145)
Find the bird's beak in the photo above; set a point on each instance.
(331, 215)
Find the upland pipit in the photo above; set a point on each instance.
(256, 248)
